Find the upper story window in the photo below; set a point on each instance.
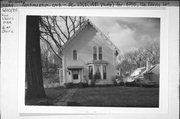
(94, 53)
(74, 54)
(100, 53)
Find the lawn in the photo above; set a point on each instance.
(53, 93)
(116, 97)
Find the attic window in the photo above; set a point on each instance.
(116, 53)
(74, 54)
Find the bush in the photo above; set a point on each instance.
(150, 84)
(121, 83)
(81, 85)
(68, 85)
(118, 80)
(133, 84)
(85, 85)
(97, 76)
(94, 78)
(92, 84)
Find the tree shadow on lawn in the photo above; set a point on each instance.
(51, 95)
(116, 97)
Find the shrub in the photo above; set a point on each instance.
(133, 84)
(68, 85)
(94, 78)
(81, 85)
(97, 76)
(118, 80)
(85, 84)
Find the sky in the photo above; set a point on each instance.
(129, 33)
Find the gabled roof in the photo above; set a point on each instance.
(81, 29)
(138, 71)
(142, 70)
(154, 69)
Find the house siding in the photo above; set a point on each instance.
(84, 43)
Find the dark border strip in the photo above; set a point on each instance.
(85, 3)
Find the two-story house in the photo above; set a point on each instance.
(86, 54)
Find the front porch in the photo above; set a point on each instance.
(74, 74)
(94, 72)
(97, 69)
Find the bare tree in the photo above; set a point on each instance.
(137, 58)
(45, 54)
(153, 52)
(57, 30)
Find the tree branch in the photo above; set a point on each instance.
(51, 47)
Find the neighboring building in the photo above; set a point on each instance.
(141, 72)
(138, 71)
(148, 75)
(153, 74)
(86, 54)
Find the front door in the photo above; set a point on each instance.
(97, 72)
(90, 72)
(76, 76)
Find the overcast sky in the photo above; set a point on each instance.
(129, 33)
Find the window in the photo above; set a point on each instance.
(104, 72)
(94, 53)
(74, 54)
(100, 53)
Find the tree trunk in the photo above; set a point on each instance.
(34, 78)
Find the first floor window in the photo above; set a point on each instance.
(97, 74)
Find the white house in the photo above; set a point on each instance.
(140, 72)
(86, 54)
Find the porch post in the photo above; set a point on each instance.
(101, 70)
(71, 76)
(82, 76)
(93, 69)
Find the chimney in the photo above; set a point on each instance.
(148, 65)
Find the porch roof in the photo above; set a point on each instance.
(75, 67)
(98, 62)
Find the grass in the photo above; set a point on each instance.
(53, 93)
(117, 97)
